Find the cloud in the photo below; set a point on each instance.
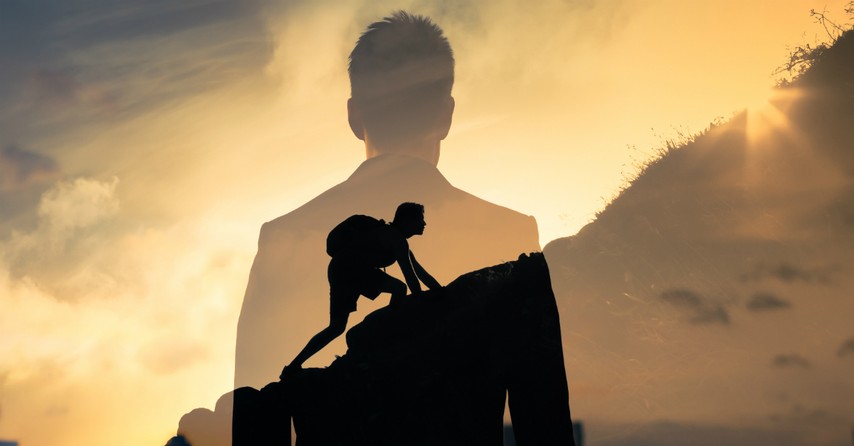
(169, 355)
(799, 415)
(68, 61)
(20, 168)
(24, 176)
(787, 273)
(846, 349)
(165, 329)
(702, 311)
(790, 360)
(72, 230)
(85, 24)
(61, 89)
(765, 302)
(79, 203)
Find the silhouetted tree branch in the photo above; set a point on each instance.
(803, 56)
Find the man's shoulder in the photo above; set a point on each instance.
(491, 210)
(379, 194)
(318, 214)
(485, 220)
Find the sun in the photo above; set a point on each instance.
(768, 131)
(766, 116)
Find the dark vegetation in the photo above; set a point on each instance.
(803, 56)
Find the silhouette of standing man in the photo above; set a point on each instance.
(355, 271)
(401, 76)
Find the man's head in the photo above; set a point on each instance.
(409, 217)
(401, 74)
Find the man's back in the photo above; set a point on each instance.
(366, 241)
(287, 297)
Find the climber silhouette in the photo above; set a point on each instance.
(364, 245)
(401, 75)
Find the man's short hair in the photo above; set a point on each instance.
(401, 73)
(408, 211)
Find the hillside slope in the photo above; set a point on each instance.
(715, 294)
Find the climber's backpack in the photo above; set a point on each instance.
(354, 233)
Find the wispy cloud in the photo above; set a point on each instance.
(765, 301)
(170, 354)
(21, 168)
(87, 307)
(65, 211)
(810, 416)
(57, 89)
(77, 204)
(787, 273)
(791, 360)
(846, 349)
(129, 58)
(701, 310)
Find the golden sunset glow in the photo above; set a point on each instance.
(765, 117)
(144, 146)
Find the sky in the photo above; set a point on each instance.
(142, 145)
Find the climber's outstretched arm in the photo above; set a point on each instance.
(422, 274)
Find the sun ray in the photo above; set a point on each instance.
(768, 131)
(767, 118)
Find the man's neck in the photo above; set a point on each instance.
(397, 227)
(427, 151)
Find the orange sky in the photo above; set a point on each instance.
(126, 248)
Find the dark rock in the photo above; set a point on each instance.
(434, 370)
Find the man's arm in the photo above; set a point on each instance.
(402, 254)
(425, 277)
